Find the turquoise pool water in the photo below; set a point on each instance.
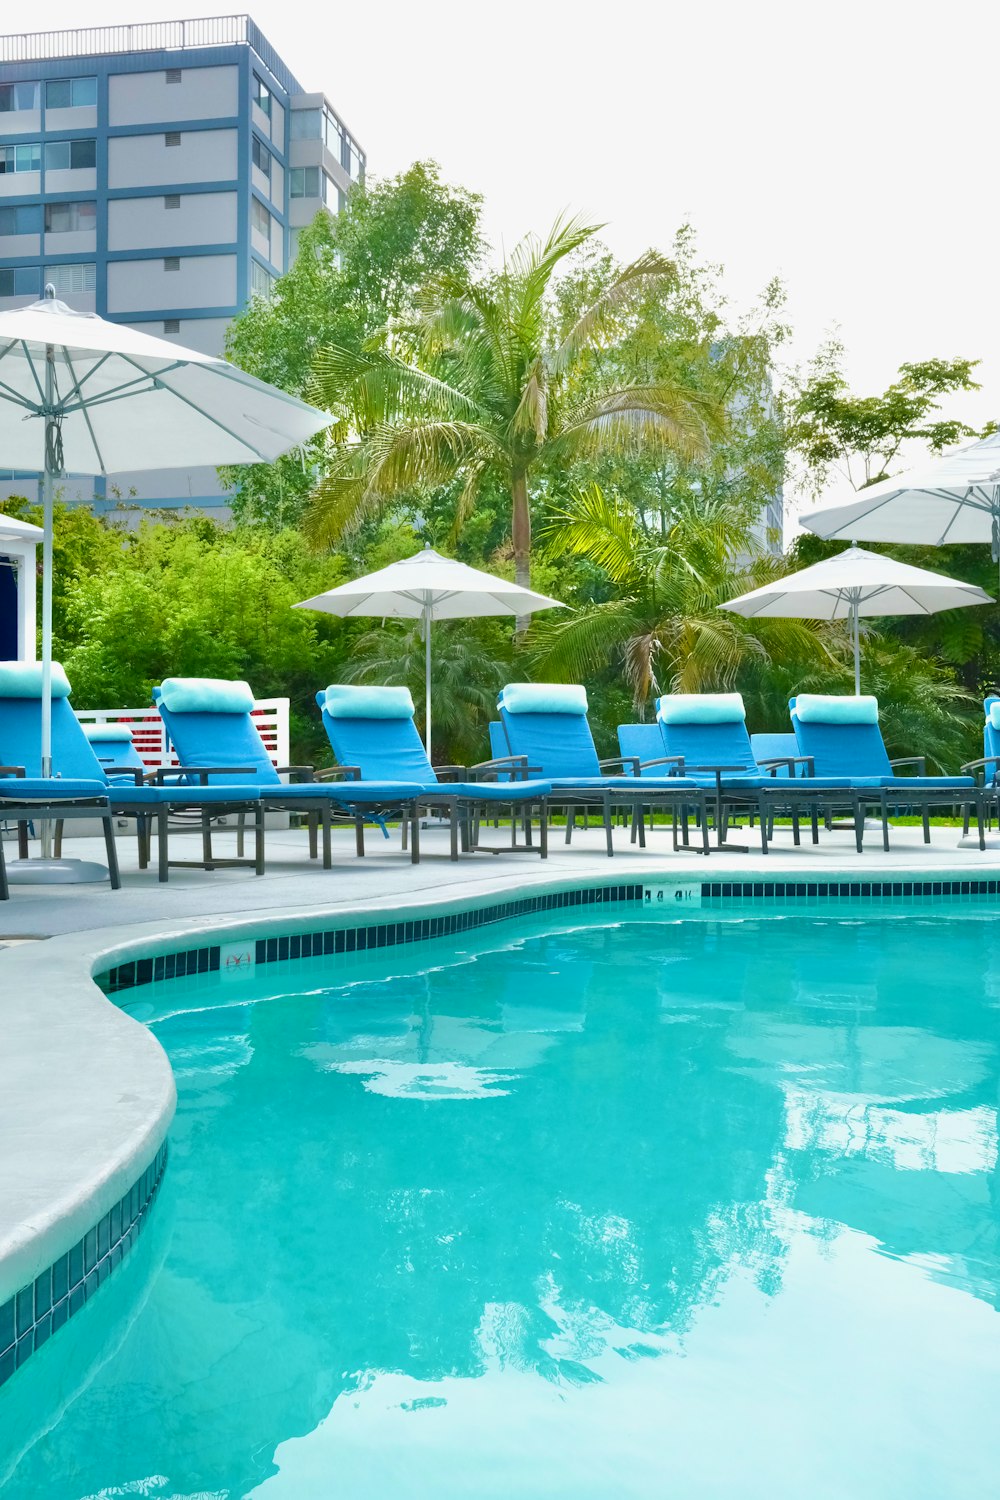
(649, 1209)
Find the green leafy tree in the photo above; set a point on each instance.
(353, 277)
(859, 438)
(476, 390)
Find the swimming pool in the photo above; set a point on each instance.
(571, 1207)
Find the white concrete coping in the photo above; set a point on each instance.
(87, 1093)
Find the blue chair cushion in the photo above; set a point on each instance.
(219, 738)
(204, 695)
(831, 708)
(23, 679)
(155, 796)
(927, 783)
(701, 708)
(49, 788)
(360, 792)
(343, 701)
(493, 791)
(543, 698)
(388, 748)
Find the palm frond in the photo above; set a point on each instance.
(586, 643)
(658, 417)
(651, 271)
(380, 388)
(599, 527)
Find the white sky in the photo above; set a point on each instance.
(851, 147)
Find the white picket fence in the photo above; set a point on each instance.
(149, 735)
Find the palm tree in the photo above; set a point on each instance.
(479, 388)
(663, 625)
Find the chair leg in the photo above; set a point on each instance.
(57, 839)
(22, 840)
(359, 835)
(815, 824)
(163, 844)
(570, 822)
(140, 838)
(453, 829)
(884, 810)
(926, 811)
(312, 823)
(796, 832)
(206, 838)
(413, 817)
(764, 813)
(705, 846)
(258, 841)
(327, 848)
(109, 844)
(240, 829)
(543, 829)
(608, 828)
(4, 887)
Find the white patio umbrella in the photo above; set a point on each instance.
(852, 584)
(954, 498)
(429, 587)
(99, 397)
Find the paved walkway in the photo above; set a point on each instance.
(294, 884)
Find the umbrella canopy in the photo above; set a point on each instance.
(954, 498)
(429, 587)
(855, 583)
(108, 398)
(13, 530)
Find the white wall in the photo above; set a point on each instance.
(82, 118)
(148, 99)
(21, 184)
(71, 180)
(144, 160)
(201, 281)
(145, 224)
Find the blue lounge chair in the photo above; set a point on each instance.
(987, 768)
(546, 728)
(24, 798)
(115, 749)
(708, 732)
(372, 728)
(210, 724)
(74, 760)
(780, 752)
(840, 736)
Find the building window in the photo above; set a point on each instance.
(306, 125)
(171, 325)
(171, 262)
(261, 96)
(261, 280)
(260, 219)
(261, 157)
(303, 182)
(353, 160)
(70, 279)
(18, 96)
(333, 135)
(62, 156)
(70, 93)
(70, 218)
(174, 75)
(19, 281)
(332, 195)
(21, 158)
(25, 219)
(172, 138)
(172, 200)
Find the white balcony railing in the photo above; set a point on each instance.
(149, 735)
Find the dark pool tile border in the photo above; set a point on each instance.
(30, 1318)
(359, 939)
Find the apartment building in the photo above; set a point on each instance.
(158, 174)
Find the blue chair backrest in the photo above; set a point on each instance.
(991, 733)
(841, 734)
(708, 729)
(771, 746)
(547, 722)
(499, 749)
(115, 750)
(644, 742)
(21, 725)
(211, 726)
(384, 748)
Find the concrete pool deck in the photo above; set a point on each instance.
(86, 1092)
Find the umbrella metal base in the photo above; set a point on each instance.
(55, 872)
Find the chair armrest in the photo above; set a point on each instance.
(665, 760)
(448, 773)
(625, 761)
(912, 760)
(125, 774)
(980, 765)
(491, 770)
(307, 773)
(502, 763)
(204, 772)
(12, 771)
(332, 772)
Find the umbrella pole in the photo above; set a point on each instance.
(855, 633)
(427, 679)
(48, 476)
